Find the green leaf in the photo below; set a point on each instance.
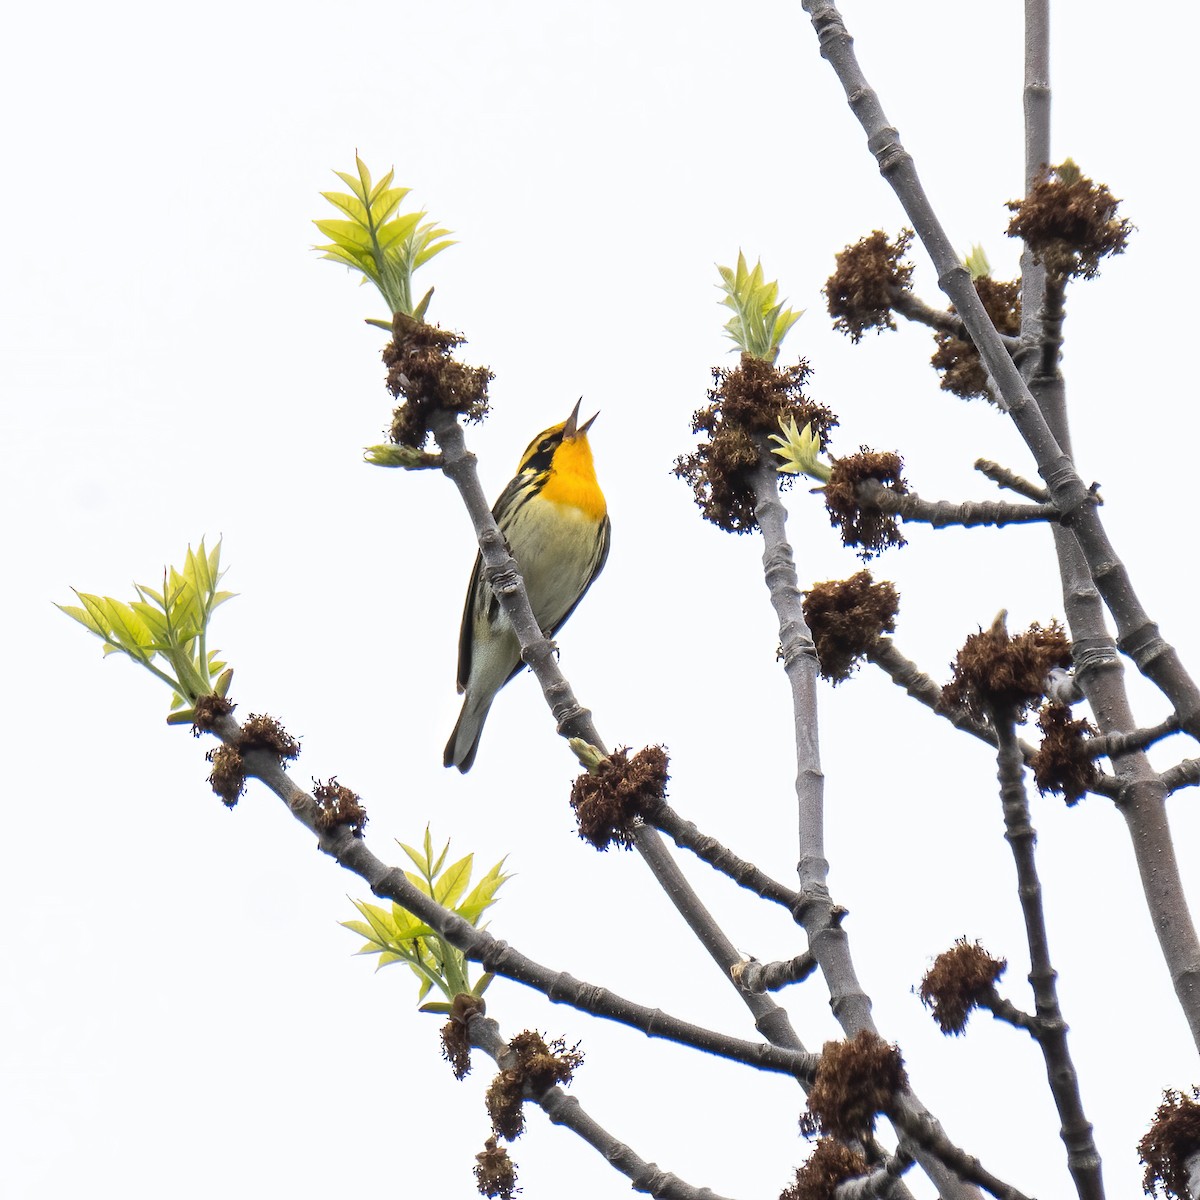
(422, 862)
(453, 882)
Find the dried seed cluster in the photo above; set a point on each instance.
(1069, 222)
(963, 371)
(495, 1173)
(538, 1067)
(868, 277)
(260, 732)
(746, 405)
(994, 671)
(846, 618)
(1172, 1139)
(1063, 762)
(855, 1081)
(423, 372)
(338, 805)
(456, 1042)
(959, 980)
(863, 525)
(609, 799)
(829, 1165)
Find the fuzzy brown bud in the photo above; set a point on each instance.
(862, 525)
(747, 404)
(609, 799)
(1062, 762)
(855, 1081)
(829, 1165)
(996, 672)
(423, 371)
(959, 980)
(846, 618)
(864, 285)
(1171, 1141)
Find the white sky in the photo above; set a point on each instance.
(182, 1013)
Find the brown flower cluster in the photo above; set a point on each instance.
(963, 371)
(608, 800)
(338, 805)
(861, 524)
(830, 1164)
(1069, 222)
(260, 732)
(996, 672)
(865, 283)
(1063, 763)
(747, 404)
(1172, 1139)
(536, 1066)
(846, 618)
(495, 1173)
(456, 1042)
(423, 372)
(959, 980)
(855, 1081)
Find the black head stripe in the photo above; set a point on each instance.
(541, 453)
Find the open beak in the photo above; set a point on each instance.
(572, 428)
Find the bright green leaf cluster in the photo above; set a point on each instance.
(977, 263)
(398, 936)
(799, 449)
(387, 246)
(166, 632)
(760, 322)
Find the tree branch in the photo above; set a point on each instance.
(1083, 1159)
(821, 918)
(1138, 635)
(565, 1110)
(940, 513)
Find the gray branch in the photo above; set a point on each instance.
(822, 919)
(940, 513)
(1003, 477)
(1181, 775)
(906, 674)
(745, 874)
(1098, 573)
(770, 977)
(498, 956)
(882, 1183)
(1138, 635)
(565, 1110)
(910, 306)
(1083, 1159)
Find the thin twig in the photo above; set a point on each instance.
(745, 874)
(941, 513)
(497, 956)
(770, 977)
(1114, 745)
(566, 1110)
(1182, 774)
(1005, 478)
(1083, 1159)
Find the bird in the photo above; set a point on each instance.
(554, 518)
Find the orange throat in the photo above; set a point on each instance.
(572, 479)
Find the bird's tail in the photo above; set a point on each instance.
(464, 741)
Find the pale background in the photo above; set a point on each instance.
(182, 1014)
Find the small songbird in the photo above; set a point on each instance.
(555, 521)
